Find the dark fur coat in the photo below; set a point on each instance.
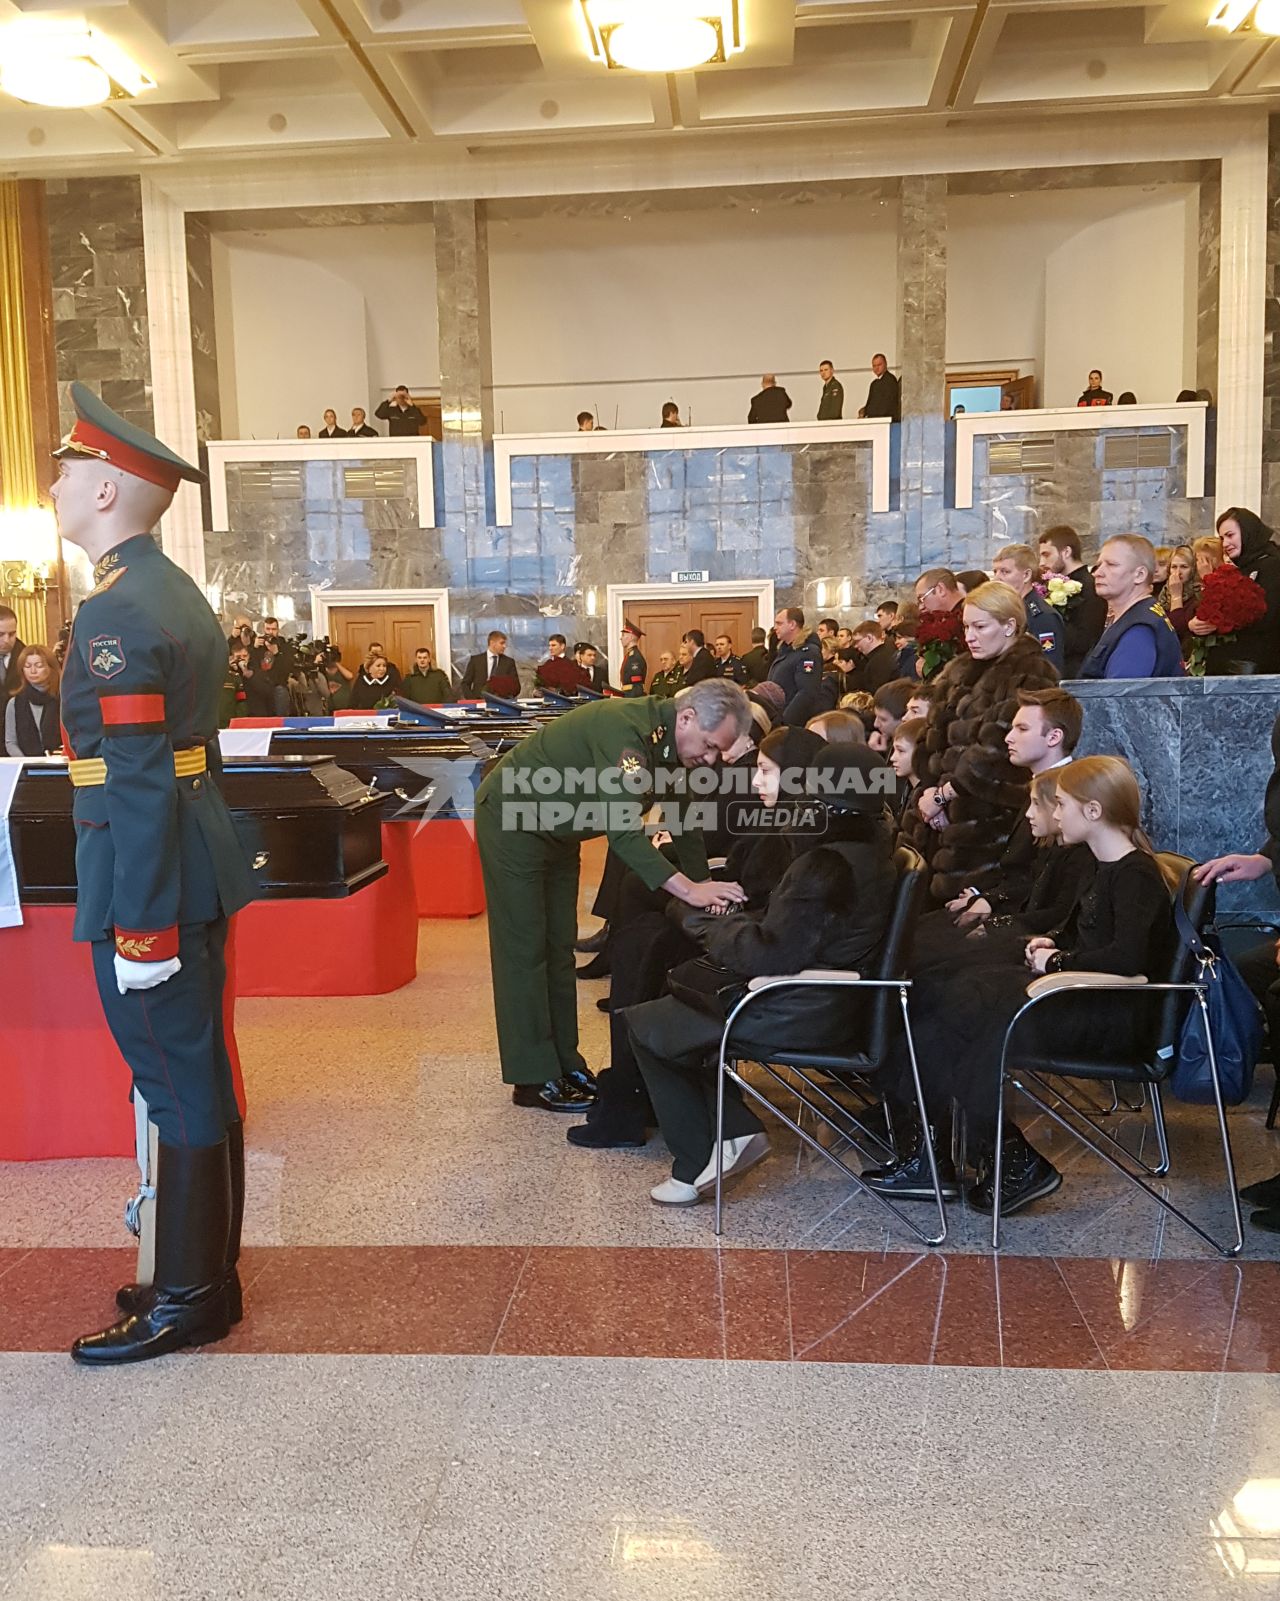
(976, 702)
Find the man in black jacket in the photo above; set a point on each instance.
(1086, 613)
(884, 396)
(702, 663)
(491, 669)
(360, 428)
(756, 660)
(11, 648)
(798, 665)
(402, 416)
(772, 404)
(878, 658)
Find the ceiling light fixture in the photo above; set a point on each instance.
(1247, 16)
(65, 64)
(662, 35)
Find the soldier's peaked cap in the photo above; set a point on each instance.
(106, 436)
(630, 628)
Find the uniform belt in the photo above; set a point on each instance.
(92, 771)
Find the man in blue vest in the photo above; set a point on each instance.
(1139, 640)
(1019, 566)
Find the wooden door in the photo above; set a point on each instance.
(666, 619)
(400, 630)
(1023, 391)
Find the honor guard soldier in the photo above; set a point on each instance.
(588, 773)
(634, 672)
(158, 867)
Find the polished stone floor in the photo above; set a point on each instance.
(478, 1363)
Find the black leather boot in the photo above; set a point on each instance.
(910, 1180)
(617, 1120)
(598, 967)
(1264, 1193)
(593, 942)
(132, 1297)
(1025, 1176)
(188, 1302)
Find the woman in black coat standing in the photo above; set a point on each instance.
(973, 795)
(1247, 544)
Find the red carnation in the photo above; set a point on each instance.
(1229, 601)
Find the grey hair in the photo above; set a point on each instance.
(713, 700)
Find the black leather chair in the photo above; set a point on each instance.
(877, 1010)
(1029, 1071)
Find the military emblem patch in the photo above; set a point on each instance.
(106, 656)
(631, 761)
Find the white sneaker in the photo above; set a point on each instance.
(739, 1155)
(675, 1192)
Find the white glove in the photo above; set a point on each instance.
(143, 975)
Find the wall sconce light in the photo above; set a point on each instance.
(593, 605)
(822, 594)
(846, 592)
(28, 549)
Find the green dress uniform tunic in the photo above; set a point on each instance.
(634, 673)
(531, 871)
(158, 865)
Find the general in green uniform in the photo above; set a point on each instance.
(575, 779)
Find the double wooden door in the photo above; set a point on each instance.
(400, 630)
(666, 620)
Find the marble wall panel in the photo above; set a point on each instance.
(1271, 339)
(99, 293)
(204, 348)
(1208, 249)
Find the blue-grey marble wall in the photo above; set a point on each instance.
(1201, 748)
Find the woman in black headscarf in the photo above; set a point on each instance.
(1247, 544)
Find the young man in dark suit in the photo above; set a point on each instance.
(491, 670)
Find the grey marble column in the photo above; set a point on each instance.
(466, 376)
(1270, 510)
(1210, 240)
(922, 354)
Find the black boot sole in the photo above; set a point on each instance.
(1265, 1193)
(916, 1192)
(1046, 1186)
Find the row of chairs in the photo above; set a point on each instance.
(818, 1083)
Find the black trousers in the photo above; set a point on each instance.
(1258, 968)
(677, 1049)
(172, 1037)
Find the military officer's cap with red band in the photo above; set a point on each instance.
(104, 435)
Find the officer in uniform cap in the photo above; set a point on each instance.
(158, 867)
(528, 830)
(634, 672)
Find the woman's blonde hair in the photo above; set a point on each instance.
(1210, 547)
(50, 661)
(857, 701)
(1109, 782)
(1000, 602)
(1191, 588)
(838, 728)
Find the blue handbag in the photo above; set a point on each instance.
(1234, 1017)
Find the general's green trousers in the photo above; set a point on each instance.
(531, 891)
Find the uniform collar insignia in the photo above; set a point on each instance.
(104, 564)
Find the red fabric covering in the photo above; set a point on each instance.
(446, 867)
(64, 1087)
(366, 944)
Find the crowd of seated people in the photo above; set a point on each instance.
(1035, 858)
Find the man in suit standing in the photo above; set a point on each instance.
(588, 658)
(360, 428)
(772, 404)
(11, 648)
(1085, 615)
(701, 662)
(884, 394)
(877, 658)
(403, 418)
(756, 660)
(491, 670)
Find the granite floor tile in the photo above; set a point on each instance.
(1158, 1315)
(1040, 1325)
(51, 1297)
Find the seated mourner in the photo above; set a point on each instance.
(831, 908)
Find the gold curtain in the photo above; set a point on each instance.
(30, 612)
(19, 488)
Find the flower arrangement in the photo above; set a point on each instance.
(939, 637)
(1229, 601)
(1061, 590)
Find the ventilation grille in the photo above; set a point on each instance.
(1128, 452)
(1010, 457)
(265, 481)
(374, 483)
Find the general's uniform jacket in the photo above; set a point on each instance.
(155, 844)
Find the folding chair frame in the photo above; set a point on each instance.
(728, 1069)
(1037, 1096)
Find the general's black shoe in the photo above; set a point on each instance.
(598, 967)
(1268, 1220)
(910, 1179)
(1265, 1193)
(593, 942)
(556, 1095)
(584, 1078)
(1026, 1177)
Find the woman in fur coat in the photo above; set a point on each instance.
(973, 795)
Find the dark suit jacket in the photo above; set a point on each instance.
(876, 668)
(475, 680)
(702, 666)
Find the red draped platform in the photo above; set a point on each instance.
(64, 1086)
(446, 868)
(364, 944)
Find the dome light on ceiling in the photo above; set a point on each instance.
(65, 65)
(662, 35)
(1248, 16)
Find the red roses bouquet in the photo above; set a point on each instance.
(1229, 601)
(939, 637)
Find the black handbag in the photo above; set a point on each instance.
(706, 986)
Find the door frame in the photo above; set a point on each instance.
(437, 599)
(618, 595)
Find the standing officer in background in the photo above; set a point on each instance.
(634, 672)
(158, 867)
(831, 406)
(528, 831)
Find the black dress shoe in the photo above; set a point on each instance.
(1268, 1220)
(1026, 1177)
(170, 1321)
(1265, 1193)
(556, 1095)
(910, 1179)
(584, 1078)
(134, 1297)
(609, 1134)
(593, 942)
(598, 967)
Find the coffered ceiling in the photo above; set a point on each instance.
(240, 79)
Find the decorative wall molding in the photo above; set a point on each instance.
(223, 453)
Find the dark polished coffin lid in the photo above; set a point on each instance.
(405, 765)
(310, 830)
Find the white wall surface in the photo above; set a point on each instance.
(316, 317)
(626, 312)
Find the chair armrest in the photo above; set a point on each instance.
(1050, 983)
(811, 975)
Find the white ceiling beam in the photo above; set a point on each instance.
(411, 89)
(976, 53)
(662, 94)
(685, 97)
(959, 26)
(1248, 68)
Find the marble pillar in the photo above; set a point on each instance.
(1241, 318)
(922, 355)
(1209, 235)
(201, 316)
(1271, 337)
(466, 376)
